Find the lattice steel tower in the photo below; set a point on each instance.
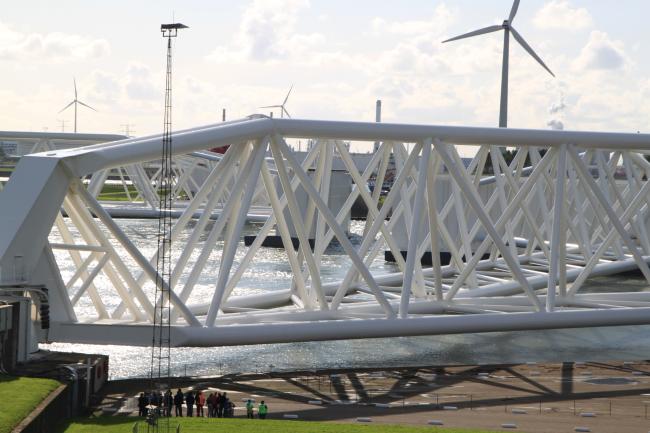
(161, 340)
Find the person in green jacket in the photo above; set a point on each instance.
(262, 410)
(249, 409)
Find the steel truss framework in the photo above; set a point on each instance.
(569, 206)
(138, 182)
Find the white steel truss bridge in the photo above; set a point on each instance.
(519, 237)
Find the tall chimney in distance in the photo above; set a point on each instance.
(378, 111)
(377, 119)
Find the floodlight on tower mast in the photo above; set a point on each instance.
(75, 102)
(282, 108)
(507, 29)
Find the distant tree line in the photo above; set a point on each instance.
(509, 156)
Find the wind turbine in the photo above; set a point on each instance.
(507, 29)
(76, 102)
(281, 106)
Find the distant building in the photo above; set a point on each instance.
(9, 148)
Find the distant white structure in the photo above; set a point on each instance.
(75, 102)
(21, 143)
(282, 107)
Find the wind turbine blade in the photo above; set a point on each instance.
(288, 93)
(527, 47)
(513, 11)
(271, 106)
(476, 33)
(287, 113)
(74, 81)
(66, 107)
(86, 105)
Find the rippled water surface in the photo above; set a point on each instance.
(271, 271)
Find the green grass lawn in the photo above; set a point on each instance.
(199, 425)
(113, 192)
(19, 396)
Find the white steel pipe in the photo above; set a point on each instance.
(267, 333)
(558, 215)
(414, 235)
(90, 159)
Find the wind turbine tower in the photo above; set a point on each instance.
(75, 102)
(507, 29)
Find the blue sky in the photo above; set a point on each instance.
(340, 55)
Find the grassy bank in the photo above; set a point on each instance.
(19, 396)
(116, 193)
(200, 425)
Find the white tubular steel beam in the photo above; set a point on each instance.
(373, 213)
(215, 232)
(459, 134)
(331, 221)
(266, 333)
(569, 206)
(558, 225)
(613, 218)
(434, 223)
(214, 185)
(502, 221)
(286, 237)
(418, 208)
(89, 279)
(135, 253)
(89, 159)
(374, 229)
(474, 202)
(314, 292)
(236, 223)
(81, 269)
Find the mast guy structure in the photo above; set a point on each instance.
(161, 341)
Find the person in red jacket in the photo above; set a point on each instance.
(200, 402)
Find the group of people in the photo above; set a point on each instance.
(215, 405)
(262, 409)
(155, 402)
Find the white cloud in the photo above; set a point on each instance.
(438, 23)
(601, 53)
(602, 101)
(105, 87)
(338, 73)
(416, 45)
(559, 14)
(139, 84)
(267, 33)
(59, 46)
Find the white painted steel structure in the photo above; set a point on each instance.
(571, 205)
(138, 182)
